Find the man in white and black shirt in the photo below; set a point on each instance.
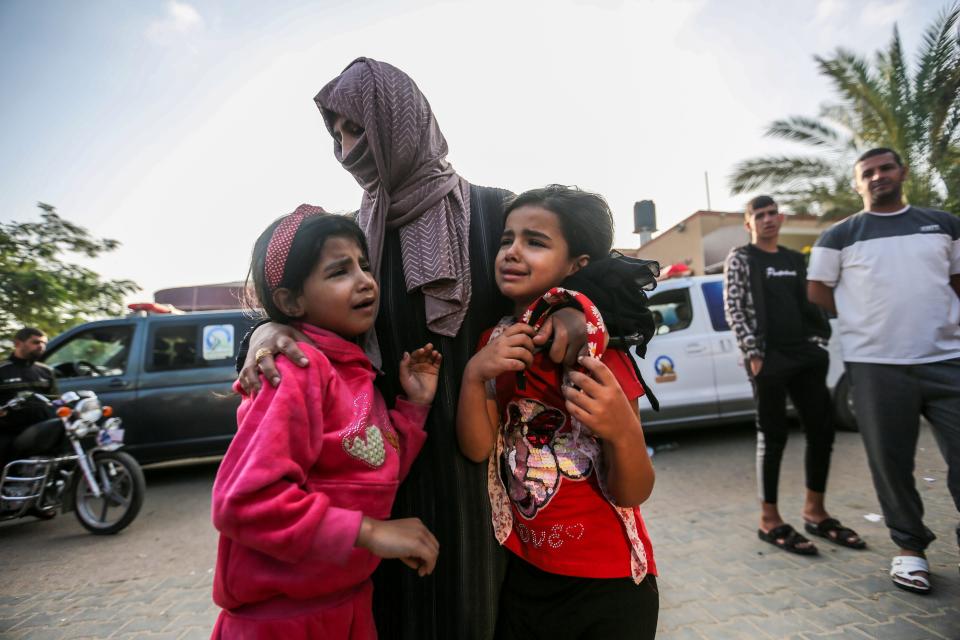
(892, 275)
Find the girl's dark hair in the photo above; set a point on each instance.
(304, 254)
(585, 218)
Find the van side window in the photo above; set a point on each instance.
(672, 310)
(173, 347)
(103, 351)
(713, 294)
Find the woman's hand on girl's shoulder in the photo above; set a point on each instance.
(419, 373)
(512, 350)
(599, 402)
(267, 340)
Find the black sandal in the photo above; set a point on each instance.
(832, 530)
(787, 538)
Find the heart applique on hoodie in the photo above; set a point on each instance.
(368, 448)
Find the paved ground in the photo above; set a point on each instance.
(718, 581)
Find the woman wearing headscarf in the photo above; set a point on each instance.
(433, 238)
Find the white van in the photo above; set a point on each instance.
(695, 368)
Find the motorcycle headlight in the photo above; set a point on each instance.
(89, 410)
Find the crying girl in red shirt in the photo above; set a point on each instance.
(568, 463)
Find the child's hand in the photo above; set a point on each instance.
(419, 373)
(407, 539)
(511, 351)
(600, 403)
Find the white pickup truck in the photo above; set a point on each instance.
(695, 368)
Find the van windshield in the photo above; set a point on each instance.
(102, 351)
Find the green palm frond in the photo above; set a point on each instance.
(878, 101)
(807, 131)
(939, 50)
(782, 172)
(938, 80)
(859, 88)
(848, 120)
(820, 202)
(895, 68)
(898, 93)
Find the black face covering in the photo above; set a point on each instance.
(400, 161)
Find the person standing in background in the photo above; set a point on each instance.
(782, 337)
(891, 273)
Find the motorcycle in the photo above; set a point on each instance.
(89, 475)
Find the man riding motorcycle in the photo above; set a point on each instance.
(30, 429)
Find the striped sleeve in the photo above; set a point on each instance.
(825, 259)
(824, 266)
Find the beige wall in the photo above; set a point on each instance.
(798, 233)
(712, 222)
(675, 246)
(717, 243)
(687, 246)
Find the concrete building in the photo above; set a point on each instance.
(205, 297)
(703, 239)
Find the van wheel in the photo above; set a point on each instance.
(843, 406)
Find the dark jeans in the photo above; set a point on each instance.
(804, 380)
(535, 604)
(889, 400)
(43, 438)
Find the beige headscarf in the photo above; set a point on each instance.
(400, 161)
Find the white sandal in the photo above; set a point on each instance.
(901, 572)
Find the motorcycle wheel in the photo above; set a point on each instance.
(117, 507)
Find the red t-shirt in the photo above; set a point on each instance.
(562, 523)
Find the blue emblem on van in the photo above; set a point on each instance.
(218, 340)
(665, 369)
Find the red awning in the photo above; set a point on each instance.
(675, 270)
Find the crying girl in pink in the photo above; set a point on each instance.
(302, 499)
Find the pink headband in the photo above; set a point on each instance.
(282, 240)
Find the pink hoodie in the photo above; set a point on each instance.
(310, 459)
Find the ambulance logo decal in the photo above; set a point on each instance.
(665, 369)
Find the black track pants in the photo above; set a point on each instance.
(807, 389)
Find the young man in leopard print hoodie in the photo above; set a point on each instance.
(782, 337)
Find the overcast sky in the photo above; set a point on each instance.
(182, 128)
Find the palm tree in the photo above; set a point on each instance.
(879, 105)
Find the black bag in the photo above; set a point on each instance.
(618, 285)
